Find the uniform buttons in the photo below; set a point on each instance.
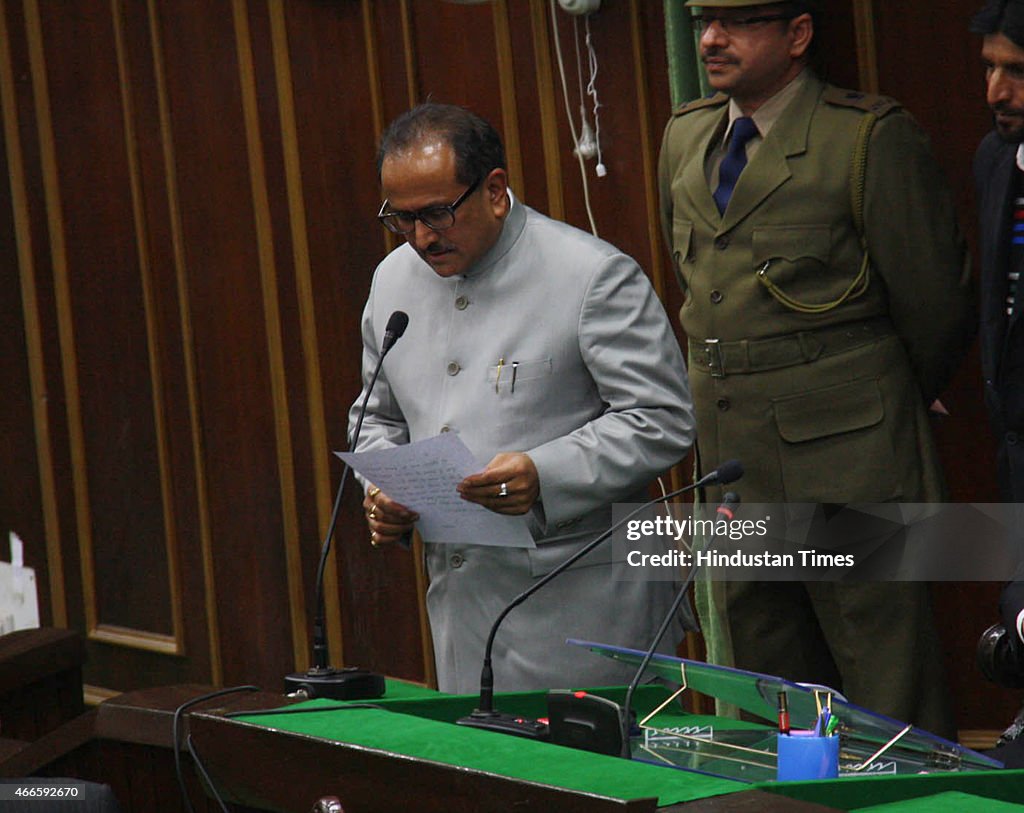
(1011, 438)
(456, 560)
(461, 302)
(453, 368)
(446, 428)
(723, 404)
(722, 242)
(716, 297)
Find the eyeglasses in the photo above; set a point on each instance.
(437, 218)
(735, 25)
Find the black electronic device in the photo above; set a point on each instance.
(586, 721)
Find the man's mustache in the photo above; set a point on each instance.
(715, 53)
(1004, 109)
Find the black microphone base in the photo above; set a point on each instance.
(506, 724)
(349, 683)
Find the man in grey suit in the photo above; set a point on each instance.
(547, 350)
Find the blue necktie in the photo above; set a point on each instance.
(743, 129)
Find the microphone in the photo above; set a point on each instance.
(397, 323)
(321, 679)
(724, 511)
(485, 716)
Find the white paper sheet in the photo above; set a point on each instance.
(422, 476)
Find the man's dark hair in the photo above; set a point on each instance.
(793, 9)
(476, 144)
(1004, 17)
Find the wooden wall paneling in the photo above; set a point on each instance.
(548, 135)
(330, 70)
(111, 386)
(648, 150)
(130, 585)
(150, 149)
(393, 54)
(457, 69)
(28, 497)
(507, 91)
(88, 276)
(164, 210)
(279, 306)
(864, 30)
(312, 492)
(228, 322)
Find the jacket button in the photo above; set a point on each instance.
(461, 302)
(456, 560)
(453, 368)
(722, 242)
(723, 404)
(716, 297)
(1011, 438)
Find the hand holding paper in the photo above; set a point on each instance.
(424, 477)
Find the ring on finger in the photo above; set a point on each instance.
(373, 513)
(373, 492)
(373, 539)
(503, 490)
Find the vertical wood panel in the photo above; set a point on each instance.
(275, 354)
(548, 108)
(507, 84)
(33, 36)
(656, 268)
(206, 598)
(37, 418)
(228, 320)
(307, 318)
(149, 306)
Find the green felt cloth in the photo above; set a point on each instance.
(950, 802)
(423, 729)
(417, 722)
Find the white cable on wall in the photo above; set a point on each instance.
(568, 115)
(600, 168)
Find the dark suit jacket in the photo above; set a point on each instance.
(1002, 342)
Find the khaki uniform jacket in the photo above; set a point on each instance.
(822, 406)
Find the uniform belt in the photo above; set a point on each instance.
(721, 358)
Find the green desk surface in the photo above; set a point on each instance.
(417, 722)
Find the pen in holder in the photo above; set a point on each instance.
(803, 755)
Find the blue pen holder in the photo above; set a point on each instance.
(804, 756)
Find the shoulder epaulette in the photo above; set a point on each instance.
(868, 102)
(697, 104)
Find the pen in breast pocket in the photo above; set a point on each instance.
(497, 378)
(515, 367)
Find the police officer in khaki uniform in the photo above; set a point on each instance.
(821, 323)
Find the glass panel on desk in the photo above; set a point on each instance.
(750, 755)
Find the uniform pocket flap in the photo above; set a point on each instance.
(791, 243)
(829, 411)
(682, 234)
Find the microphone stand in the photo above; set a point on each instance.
(321, 679)
(485, 716)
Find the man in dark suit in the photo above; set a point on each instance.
(999, 183)
(999, 180)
